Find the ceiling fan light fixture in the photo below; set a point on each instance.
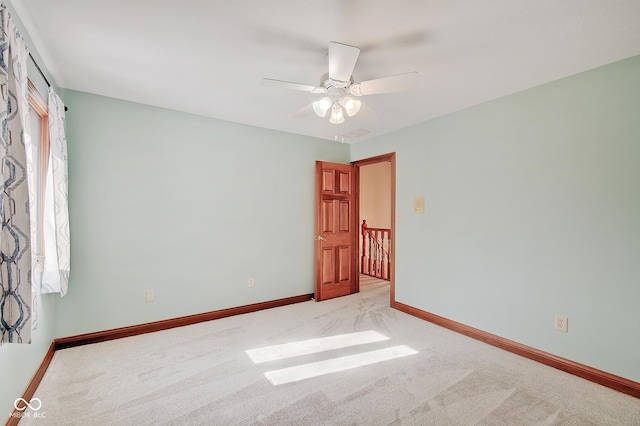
(339, 92)
(337, 114)
(321, 106)
(351, 105)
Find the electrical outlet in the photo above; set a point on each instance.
(562, 324)
(252, 282)
(150, 295)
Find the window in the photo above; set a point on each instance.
(39, 117)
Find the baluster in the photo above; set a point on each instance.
(370, 251)
(363, 230)
(389, 256)
(376, 254)
(382, 263)
(382, 254)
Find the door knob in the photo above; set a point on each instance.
(320, 238)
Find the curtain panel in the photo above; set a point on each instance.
(55, 277)
(17, 298)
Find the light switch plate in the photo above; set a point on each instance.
(418, 205)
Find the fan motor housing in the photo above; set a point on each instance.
(329, 83)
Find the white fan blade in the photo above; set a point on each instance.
(342, 61)
(292, 86)
(396, 83)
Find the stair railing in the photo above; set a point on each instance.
(376, 246)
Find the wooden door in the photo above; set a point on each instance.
(336, 236)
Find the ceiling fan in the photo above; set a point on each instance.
(340, 92)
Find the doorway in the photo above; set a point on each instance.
(375, 207)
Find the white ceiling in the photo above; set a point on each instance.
(208, 57)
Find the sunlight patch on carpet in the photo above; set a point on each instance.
(312, 346)
(334, 365)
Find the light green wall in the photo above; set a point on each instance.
(184, 205)
(532, 210)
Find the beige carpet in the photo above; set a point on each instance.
(346, 361)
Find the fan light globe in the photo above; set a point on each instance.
(351, 106)
(337, 115)
(321, 106)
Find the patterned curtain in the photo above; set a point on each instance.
(16, 300)
(55, 277)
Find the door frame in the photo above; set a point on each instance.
(390, 157)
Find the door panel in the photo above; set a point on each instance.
(345, 182)
(328, 181)
(328, 220)
(344, 263)
(336, 238)
(344, 210)
(328, 266)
